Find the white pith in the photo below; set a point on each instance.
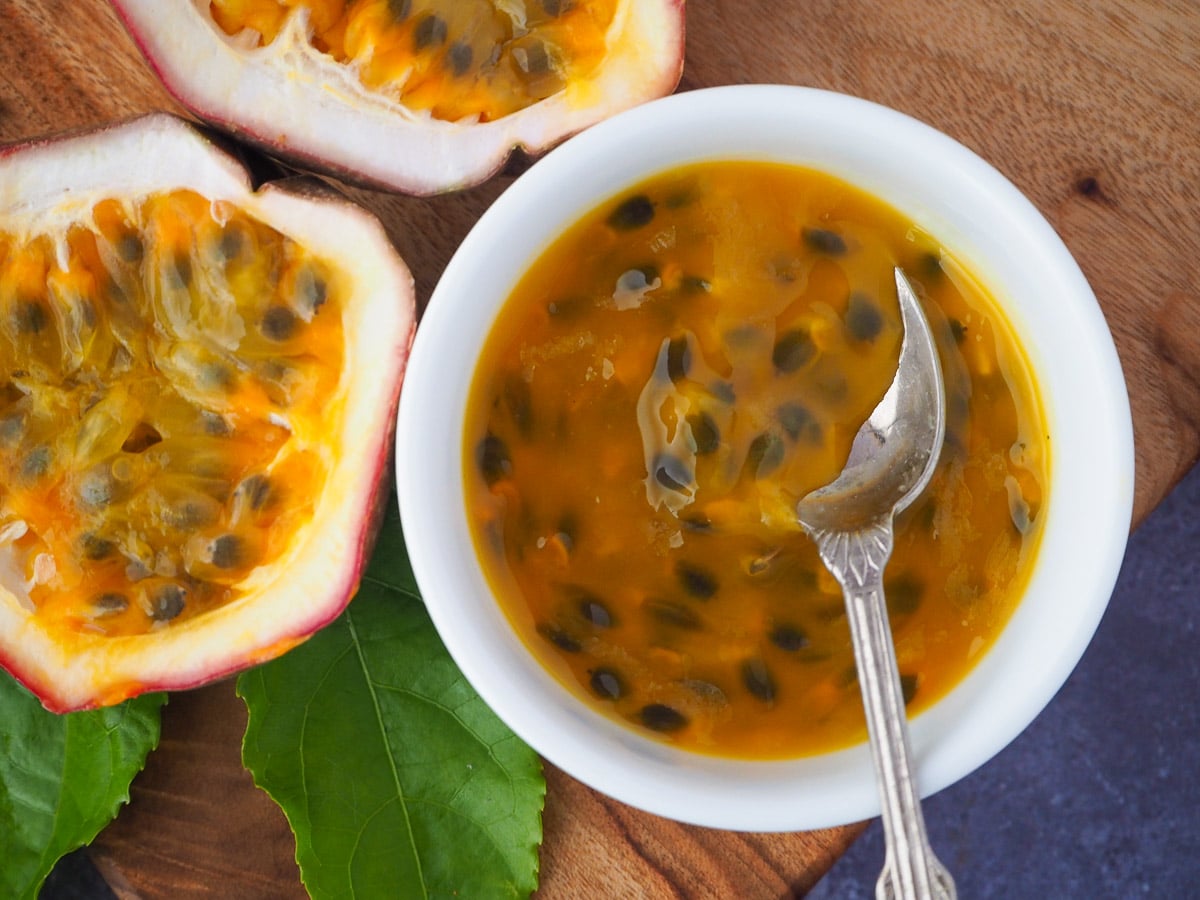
(291, 96)
(44, 188)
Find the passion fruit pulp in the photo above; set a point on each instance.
(420, 96)
(197, 387)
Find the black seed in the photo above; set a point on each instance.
(96, 488)
(793, 350)
(226, 552)
(231, 243)
(660, 717)
(256, 490)
(215, 375)
(607, 684)
(674, 614)
(12, 427)
(181, 270)
(37, 462)
(399, 9)
(958, 330)
(494, 462)
(705, 434)
(679, 358)
(568, 528)
(824, 241)
(672, 474)
(559, 638)
(518, 398)
(110, 603)
(758, 681)
(694, 284)
(532, 58)
(96, 547)
(765, 455)
(908, 687)
(799, 423)
(632, 213)
(595, 612)
(698, 582)
(129, 248)
(214, 424)
(278, 323)
(167, 602)
(29, 317)
(142, 437)
(430, 30)
(190, 513)
(788, 638)
(311, 290)
(864, 321)
(903, 593)
(555, 7)
(459, 57)
(697, 522)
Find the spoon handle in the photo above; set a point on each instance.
(911, 870)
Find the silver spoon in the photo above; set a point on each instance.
(851, 519)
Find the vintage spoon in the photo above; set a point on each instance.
(891, 461)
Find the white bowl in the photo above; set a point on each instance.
(971, 209)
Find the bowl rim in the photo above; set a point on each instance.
(947, 189)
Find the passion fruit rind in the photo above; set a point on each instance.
(330, 450)
(298, 103)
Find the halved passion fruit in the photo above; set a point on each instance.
(420, 96)
(197, 388)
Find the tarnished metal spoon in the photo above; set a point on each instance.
(851, 519)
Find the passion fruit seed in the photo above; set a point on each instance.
(758, 680)
(278, 323)
(705, 434)
(864, 320)
(788, 638)
(830, 243)
(109, 603)
(633, 213)
(595, 612)
(166, 602)
(793, 350)
(558, 636)
(660, 717)
(495, 464)
(697, 582)
(607, 684)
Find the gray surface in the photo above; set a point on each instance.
(1100, 796)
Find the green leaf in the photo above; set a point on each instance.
(63, 778)
(398, 781)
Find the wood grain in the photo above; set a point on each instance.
(1090, 107)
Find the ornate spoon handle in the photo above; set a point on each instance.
(857, 559)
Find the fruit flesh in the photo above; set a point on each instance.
(466, 59)
(165, 365)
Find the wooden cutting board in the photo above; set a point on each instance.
(1090, 107)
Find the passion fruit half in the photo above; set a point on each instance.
(420, 96)
(197, 388)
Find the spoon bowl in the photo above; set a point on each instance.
(891, 461)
